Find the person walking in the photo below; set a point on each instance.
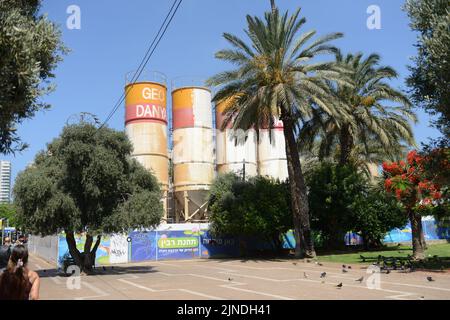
(5, 253)
(18, 282)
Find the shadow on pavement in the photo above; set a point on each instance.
(99, 271)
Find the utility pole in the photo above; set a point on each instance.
(243, 169)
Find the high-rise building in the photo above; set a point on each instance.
(5, 181)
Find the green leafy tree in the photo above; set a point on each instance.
(378, 126)
(375, 213)
(85, 182)
(277, 77)
(332, 190)
(8, 212)
(430, 74)
(258, 207)
(30, 48)
(343, 200)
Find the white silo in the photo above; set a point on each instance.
(236, 150)
(193, 157)
(272, 153)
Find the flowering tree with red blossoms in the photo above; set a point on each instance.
(417, 190)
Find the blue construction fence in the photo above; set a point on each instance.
(169, 241)
(432, 230)
(193, 241)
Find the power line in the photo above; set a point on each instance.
(154, 39)
(144, 61)
(146, 58)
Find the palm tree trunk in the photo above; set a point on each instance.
(346, 144)
(299, 198)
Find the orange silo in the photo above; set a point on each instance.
(146, 126)
(193, 155)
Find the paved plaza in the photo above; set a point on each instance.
(238, 279)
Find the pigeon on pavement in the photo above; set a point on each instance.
(323, 274)
(344, 271)
(339, 285)
(360, 279)
(430, 279)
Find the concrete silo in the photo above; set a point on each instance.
(193, 155)
(272, 153)
(146, 126)
(235, 149)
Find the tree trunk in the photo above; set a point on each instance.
(422, 236)
(365, 240)
(76, 255)
(335, 236)
(346, 144)
(418, 241)
(304, 243)
(243, 252)
(378, 243)
(336, 240)
(85, 260)
(89, 253)
(278, 243)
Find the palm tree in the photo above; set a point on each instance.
(374, 131)
(363, 157)
(276, 79)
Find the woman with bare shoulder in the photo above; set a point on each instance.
(18, 282)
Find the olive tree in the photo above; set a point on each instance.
(30, 49)
(86, 182)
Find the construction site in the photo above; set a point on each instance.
(186, 144)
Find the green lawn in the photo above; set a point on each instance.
(438, 256)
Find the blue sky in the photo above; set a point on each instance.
(114, 36)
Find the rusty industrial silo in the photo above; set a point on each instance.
(192, 153)
(236, 150)
(146, 127)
